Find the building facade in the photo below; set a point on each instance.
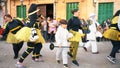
(62, 8)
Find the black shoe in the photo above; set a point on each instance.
(70, 54)
(58, 61)
(85, 48)
(40, 55)
(65, 66)
(75, 62)
(15, 57)
(118, 51)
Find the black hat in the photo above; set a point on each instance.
(74, 10)
(32, 8)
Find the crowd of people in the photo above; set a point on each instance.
(37, 29)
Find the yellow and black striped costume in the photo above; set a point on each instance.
(10, 30)
(25, 32)
(113, 33)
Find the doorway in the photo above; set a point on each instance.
(49, 10)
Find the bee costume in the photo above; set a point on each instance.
(114, 35)
(11, 29)
(31, 34)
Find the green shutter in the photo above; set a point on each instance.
(69, 8)
(105, 10)
(21, 11)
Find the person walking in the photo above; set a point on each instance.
(93, 24)
(74, 24)
(113, 34)
(61, 37)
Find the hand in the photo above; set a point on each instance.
(60, 46)
(1, 36)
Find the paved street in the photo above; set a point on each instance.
(85, 59)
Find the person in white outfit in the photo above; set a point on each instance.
(92, 35)
(61, 37)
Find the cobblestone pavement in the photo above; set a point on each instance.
(85, 59)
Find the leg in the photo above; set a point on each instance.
(30, 47)
(36, 54)
(88, 44)
(37, 49)
(16, 49)
(116, 47)
(71, 49)
(94, 47)
(58, 53)
(64, 55)
(75, 49)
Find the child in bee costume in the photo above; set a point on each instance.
(32, 35)
(12, 27)
(114, 35)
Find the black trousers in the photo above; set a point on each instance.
(31, 46)
(36, 50)
(115, 48)
(16, 48)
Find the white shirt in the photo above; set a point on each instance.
(61, 36)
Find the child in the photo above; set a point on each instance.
(61, 38)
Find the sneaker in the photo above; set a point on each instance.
(111, 59)
(85, 48)
(70, 54)
(38, 60)
(75, 62)
(58, 61)
(19, 65)
(65, 66)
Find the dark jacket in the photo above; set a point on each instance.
(74, 23)
(13, 26)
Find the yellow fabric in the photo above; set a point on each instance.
(21, 19)
(24, 35)
(115, 20)
(77, 37)
(112, 34)
(15, 28)
(4, 26)
(11, 38)
(113, 28)
(41, 39)
(22, 57)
